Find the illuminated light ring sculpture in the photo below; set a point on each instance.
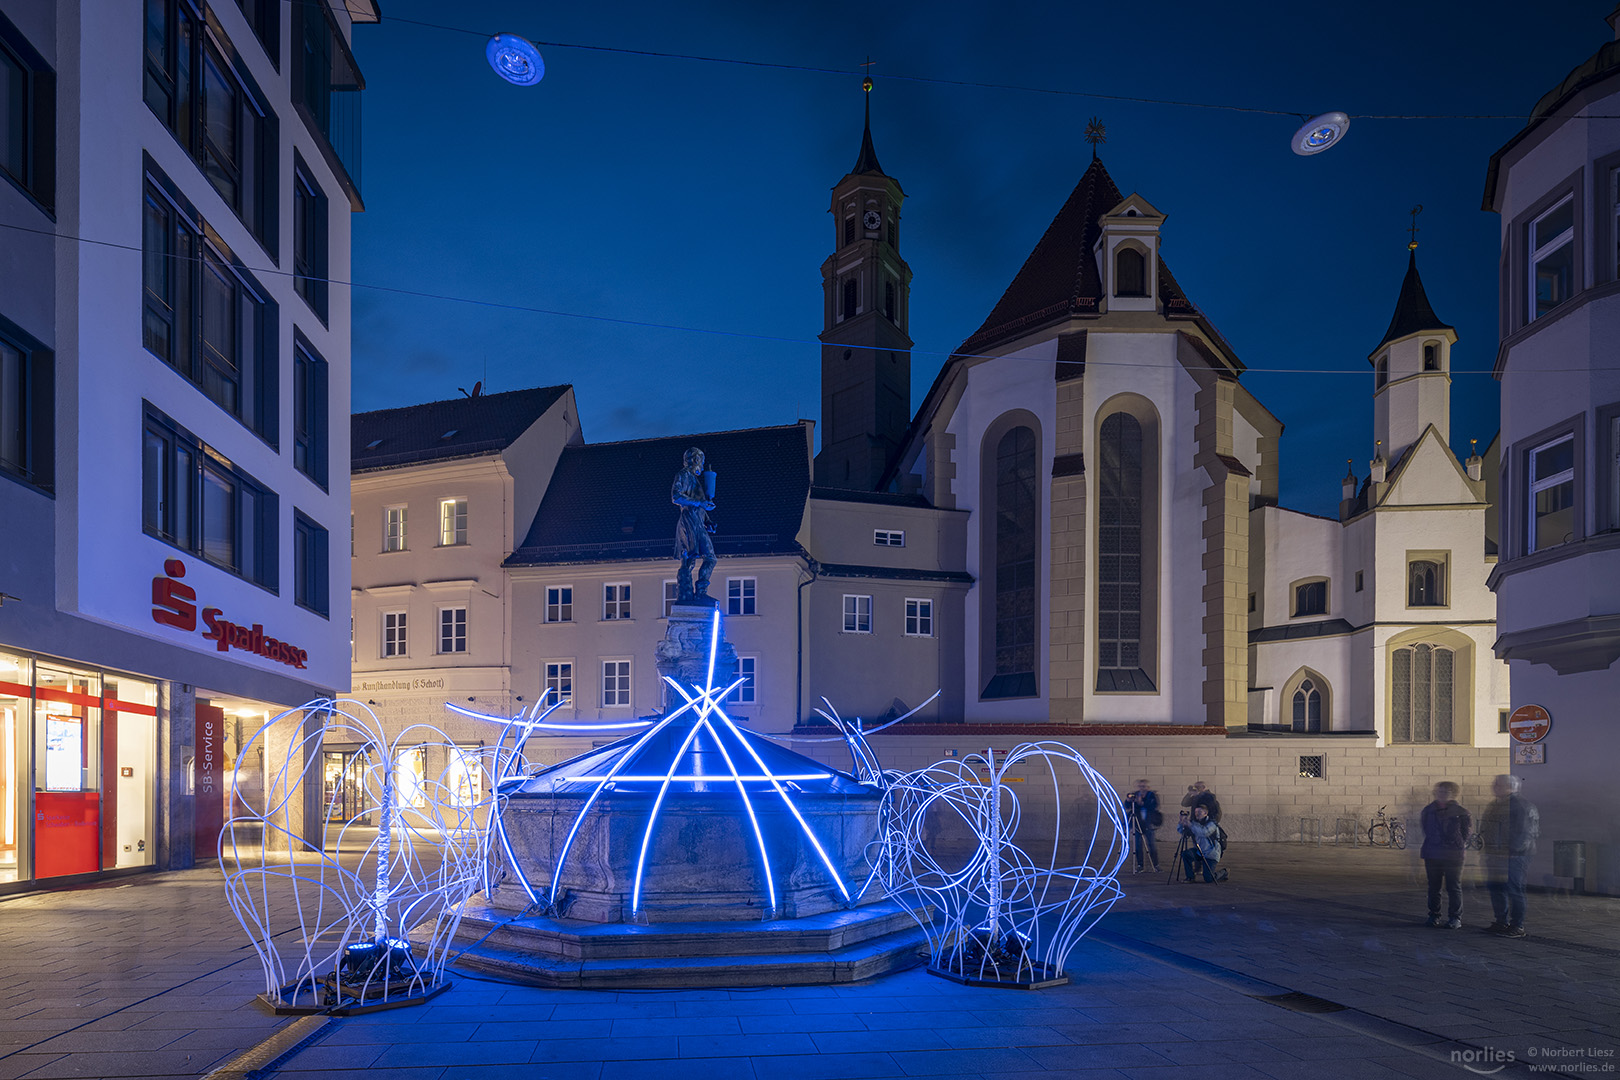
(669, 757)
(853, 733)
(1000, 918)
(511, 762)
(1320, 133)
(351, 929)
(515, 59)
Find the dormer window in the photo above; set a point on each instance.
(1383, 371)
(1130, 272)
(1431, 357)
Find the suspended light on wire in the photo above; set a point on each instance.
(515, 59)
(1320, 132)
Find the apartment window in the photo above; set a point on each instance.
(198, 501)
(204, 314)
(215, 110)
(264, 18)
(1310, 598)
(615, 684)
(452, 522)
(393, 642)
(1552, 493)
(744, 694)
(394, 528)
(1552, 258)
(27, 407)
(560, 681)
(1422, 692)
(309, 411)
(1426, 583)
(889, 537)
(616, 601)
(310, 565)
(453, 630)
(309, 239)
(857, 614)
(919, 618)
(27, 117)
(671, 594)
(560, 603)
(740, 596)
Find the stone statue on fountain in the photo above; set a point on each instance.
(683, 654)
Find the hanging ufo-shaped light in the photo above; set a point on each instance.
(515, 59)
(1320, 132)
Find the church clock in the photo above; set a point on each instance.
(873, 221)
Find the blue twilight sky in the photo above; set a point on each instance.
(696, 194)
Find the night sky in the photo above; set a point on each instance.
(671, 191)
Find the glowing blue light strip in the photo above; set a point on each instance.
(648, 778)
(652, 817)
(604, 726)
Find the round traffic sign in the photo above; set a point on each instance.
(1529, 723)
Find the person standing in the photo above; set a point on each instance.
(1200, 795)
(1446, 829)
(1509, 829)
(1143, 807)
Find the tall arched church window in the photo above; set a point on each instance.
(852, 297)
(1307, 707)
(1422, 692)
(1119, 545)
(1130, 272)
(1017, 600)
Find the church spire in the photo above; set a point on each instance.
(867, 162)
(1413, 312)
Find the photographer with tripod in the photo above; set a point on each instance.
(1200, 844)
(1142, 805)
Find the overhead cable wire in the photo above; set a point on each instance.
(781, 339)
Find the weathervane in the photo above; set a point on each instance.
(1095, 133)
(1413, 228)
(866, 83)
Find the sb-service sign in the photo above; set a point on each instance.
(1529, 724)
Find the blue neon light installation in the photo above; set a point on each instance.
(515, 59)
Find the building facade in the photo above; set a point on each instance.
(176, 374)
(1556, 187)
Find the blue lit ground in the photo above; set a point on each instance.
(151, 979)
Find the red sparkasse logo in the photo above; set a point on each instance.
(173, 604)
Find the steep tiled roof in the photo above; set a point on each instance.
(884, 498)
(1413, 312)
(460, 427)
(610, 501)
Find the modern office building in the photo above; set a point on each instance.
(1556, 186)
(173, 199)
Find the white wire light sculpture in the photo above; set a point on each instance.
(992, 913)
(373, 915)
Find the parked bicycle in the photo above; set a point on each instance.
(1386, 831)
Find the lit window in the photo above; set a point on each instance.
(744, 694)
(857, 614)
(889, 537)
(615, 684)
(1552, 494)
(1552, 258)
(452, 522)
(740, 595)
(1310, 598)
(393, 643)
(560, 603)
(394, 528)
(616, 601)
(919, 618)
(560, 681)
(1425, 584)
(453, 630)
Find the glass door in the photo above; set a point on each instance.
(16, 694)
(67, 772)
(343, 777)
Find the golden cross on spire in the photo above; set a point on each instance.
(866, 83)
(1413, 228)
(1095, 133)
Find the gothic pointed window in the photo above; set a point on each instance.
(1119, 549)
(1307, 707)
(1130, 273)
(1016, 598)
(1425, 584)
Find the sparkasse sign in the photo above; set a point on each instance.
(173, 605)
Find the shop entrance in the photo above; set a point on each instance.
(343, 790)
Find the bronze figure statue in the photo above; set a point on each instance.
(693, 492)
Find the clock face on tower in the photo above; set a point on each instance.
(873, 220)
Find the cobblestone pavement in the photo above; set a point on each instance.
(153, 978)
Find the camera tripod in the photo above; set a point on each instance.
(1139, 847)
(1179, 866)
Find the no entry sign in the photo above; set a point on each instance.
(1529, 724)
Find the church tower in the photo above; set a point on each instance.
(1412, 366)
(865, 350)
